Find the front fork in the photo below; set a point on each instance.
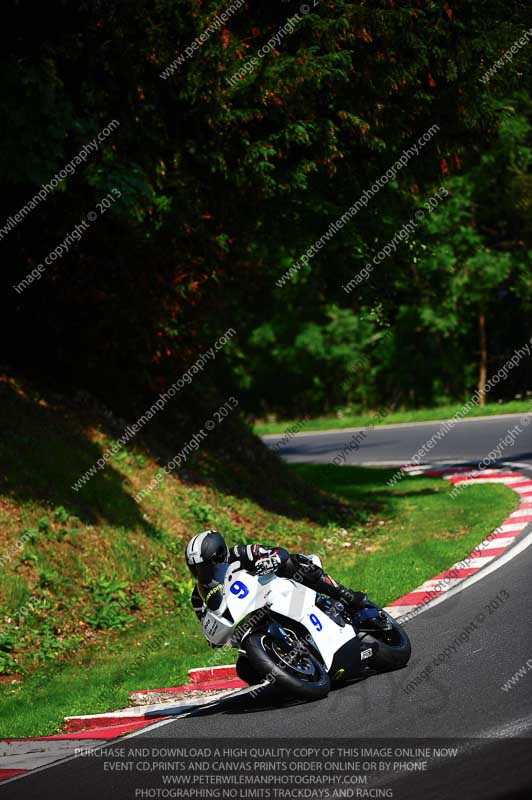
(282, 637)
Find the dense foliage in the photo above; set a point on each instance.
(222, 187)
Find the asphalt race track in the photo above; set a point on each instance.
(469, 440)
(461, 699)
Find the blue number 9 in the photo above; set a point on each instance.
(315, 621)
(240, 589)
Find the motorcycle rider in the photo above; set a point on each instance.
(207, 550)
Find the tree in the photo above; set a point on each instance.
(478, 251)
(223, 186)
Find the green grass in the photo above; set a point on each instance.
(95, 604)
(419, 531)
(397, 538)
(361, 420)
(156, 654)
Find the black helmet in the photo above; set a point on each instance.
(203, 552)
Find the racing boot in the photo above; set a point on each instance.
(353, 600)
(300, 568)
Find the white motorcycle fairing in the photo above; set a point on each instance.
(244, 597)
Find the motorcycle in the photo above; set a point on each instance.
(299, 640)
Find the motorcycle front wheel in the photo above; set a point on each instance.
(294, 670)
(245, 671)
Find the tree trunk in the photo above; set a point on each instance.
(483, 371)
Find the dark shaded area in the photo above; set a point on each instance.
(45, 449)
(214, 191)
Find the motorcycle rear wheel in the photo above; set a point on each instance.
(299, 673)
(391, 649)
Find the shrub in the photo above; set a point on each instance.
(112, 601)
(61, 514)
(8, 663)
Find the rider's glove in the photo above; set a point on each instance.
(257, 559)
(269, 563)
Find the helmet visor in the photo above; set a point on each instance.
(210, 572)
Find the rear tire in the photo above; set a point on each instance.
(305, 677)
(391, 649)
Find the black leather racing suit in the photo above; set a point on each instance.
(260, 560)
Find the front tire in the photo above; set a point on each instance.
(391, 649)
(301, 674)
(245, 671)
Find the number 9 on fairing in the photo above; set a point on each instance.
(240, 589)
(315, 621)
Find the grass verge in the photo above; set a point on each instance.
(393, 539)
(418, 532)
(361, 420)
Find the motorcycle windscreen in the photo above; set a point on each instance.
(211, 584)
